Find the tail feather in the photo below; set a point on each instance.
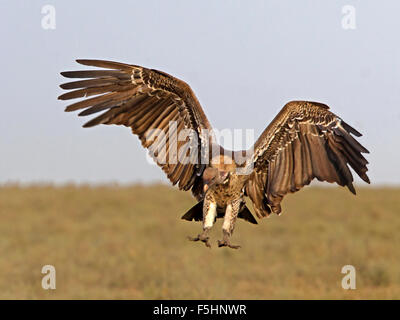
(247, 215)
(196, 213)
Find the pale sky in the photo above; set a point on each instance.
(248, 57)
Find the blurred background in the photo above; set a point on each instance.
(88, 202)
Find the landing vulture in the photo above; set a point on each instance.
(303, 142)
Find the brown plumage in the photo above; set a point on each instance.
(303, 142)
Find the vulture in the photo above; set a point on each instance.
(304, 141)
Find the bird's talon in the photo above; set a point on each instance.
(233, 246)
(201, 238)
(224, 243)
(193, 238)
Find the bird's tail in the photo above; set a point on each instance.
(195, 213)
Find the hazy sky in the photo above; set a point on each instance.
(249, 57)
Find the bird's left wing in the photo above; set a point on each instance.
(161, 109)
(303, 142)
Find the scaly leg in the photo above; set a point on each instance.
(209, 215)
(231, 214)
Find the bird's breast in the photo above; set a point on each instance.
(226, 193)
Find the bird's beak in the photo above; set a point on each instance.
(205, 188)
(224, 175)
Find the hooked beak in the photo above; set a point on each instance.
(205, 188)
(224, 175)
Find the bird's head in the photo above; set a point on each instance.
(213, 176)
(218, 173)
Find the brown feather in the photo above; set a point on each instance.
(142, 99)
(303, 142)
(100, 82)
(96, 74)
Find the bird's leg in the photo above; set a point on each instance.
(231, 214)
(209, 215)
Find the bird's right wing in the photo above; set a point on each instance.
(161, 109)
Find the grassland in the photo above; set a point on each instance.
(129, 243)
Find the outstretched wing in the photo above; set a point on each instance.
(161, 109)
(303, 142)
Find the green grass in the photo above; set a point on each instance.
(130, 243)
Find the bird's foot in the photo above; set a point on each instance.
(202, 237)
(226, 243)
